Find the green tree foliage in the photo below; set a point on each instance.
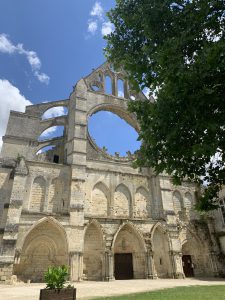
(177, 49)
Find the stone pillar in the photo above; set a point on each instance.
(12, 223)
(151, 271)
(176, 258)
(76, 266)
(109, 259)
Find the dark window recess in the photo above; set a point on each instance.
(6, 205)
(56, 159)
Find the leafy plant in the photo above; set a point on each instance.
(55, 277)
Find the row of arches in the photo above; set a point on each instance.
(119, 203)
(48, 196)
(47, 244)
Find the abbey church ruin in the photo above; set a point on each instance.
(77, 205)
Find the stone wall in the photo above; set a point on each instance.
(91, 206)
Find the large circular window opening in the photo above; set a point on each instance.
(113, 134)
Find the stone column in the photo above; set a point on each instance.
(176, 258)
(109, 259)
(76, 266)
(151, 271)
(12, 223)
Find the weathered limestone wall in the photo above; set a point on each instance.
(5, 193)
(44, 245)
(91, 207)
(94, 264)
(47, 188)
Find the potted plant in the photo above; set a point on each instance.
(55, 279)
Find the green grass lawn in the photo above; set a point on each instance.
(216, 292)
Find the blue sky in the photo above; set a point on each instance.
(46, 46)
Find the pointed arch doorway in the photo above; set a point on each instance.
(129, 254)
(44, 246)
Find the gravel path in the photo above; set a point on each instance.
(90, 289)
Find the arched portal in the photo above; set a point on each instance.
(195, 257)
(93, 253)
(161, 256)
(44, 246)
(129, 254)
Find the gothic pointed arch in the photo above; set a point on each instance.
(196, 256)
(93, 252)
(141, 203)
(122, 201)
(130, 253)
(44, 245)
(161, 251)
(37, 195)
(98, 205)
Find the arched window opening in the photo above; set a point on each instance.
(120, 86)
(45, 149)
(108, 85)
(51, 154)
(54, 112)
(117, 136)
(51, 133)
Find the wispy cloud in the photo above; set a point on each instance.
(107, 28)
(6, 46)
(98, 20)
(92, 27)
(97, 10)
(10, 99)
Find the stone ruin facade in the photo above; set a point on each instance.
(77, 205)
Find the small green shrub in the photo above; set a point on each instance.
(55, 277)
